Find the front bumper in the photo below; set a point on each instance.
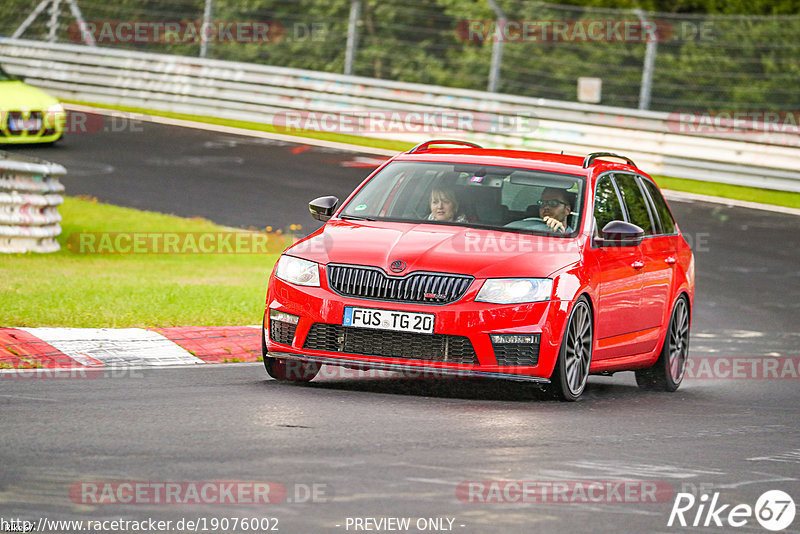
(416, 371)
(52, 127)
(465, 318)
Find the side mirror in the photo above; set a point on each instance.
(323, 207)
(620, 234)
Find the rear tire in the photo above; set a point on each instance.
(569, 377)
(286, 370)
(667, 373)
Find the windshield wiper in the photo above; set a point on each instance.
(356, 218)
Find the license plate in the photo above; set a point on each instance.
(388, 320)
(26, 124)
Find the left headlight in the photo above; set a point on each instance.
(297, 271)
(56, 108)
(515, 290)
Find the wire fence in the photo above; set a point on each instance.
(520, 47)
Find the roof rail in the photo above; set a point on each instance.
(422, 147)
(587, 161)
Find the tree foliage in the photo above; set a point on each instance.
(741, 54)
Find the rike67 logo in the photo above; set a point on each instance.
(774, 510)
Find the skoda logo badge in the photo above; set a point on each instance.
(398, 266)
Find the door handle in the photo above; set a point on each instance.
(669, 260)
(637, 264)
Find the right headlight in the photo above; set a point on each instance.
(515, 290)
(298, 271)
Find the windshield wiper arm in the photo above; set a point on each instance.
(356, 218)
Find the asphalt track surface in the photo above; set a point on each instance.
(383, 446)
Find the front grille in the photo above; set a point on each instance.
(281, 331)
(35, 122)
(515, 354)
(12, 121)
(405, 345)
(32, 126)
(373, 283)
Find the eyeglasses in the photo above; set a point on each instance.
(550, 203)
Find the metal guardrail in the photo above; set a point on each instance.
(29, 203)
(753, 155)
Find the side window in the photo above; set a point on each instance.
(667, 222)
(606, 203)
(635, 203)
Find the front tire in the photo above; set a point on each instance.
(572, 368)
(283, 369)
(290, 370)
(667, 373)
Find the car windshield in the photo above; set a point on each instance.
(6, 77)
(505, 198)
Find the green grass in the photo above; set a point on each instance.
(765, 196)
(124, 290)
(738, 192)
(23, 364)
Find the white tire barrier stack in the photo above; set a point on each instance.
(29, 200)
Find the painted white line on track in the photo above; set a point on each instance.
(236, 131)
(28, 397)
(81, 372)
(115, 346)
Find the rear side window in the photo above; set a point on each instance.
(635, 203)
(606, 203)
(667, 222)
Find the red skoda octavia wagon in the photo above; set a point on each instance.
(488, 263)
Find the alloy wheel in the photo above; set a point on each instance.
(578, 350)
(678, 341)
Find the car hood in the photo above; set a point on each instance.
(439, 248)
(20, 96)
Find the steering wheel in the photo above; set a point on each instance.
(531, 223)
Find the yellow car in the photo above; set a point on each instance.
(28, 114)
